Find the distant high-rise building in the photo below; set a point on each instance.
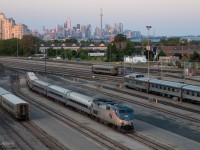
(19, 30)
(68, 24)
(78, 26)
(8, 28)
(120, 28)
(136, 33)
(101, 19)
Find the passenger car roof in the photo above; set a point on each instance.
(14, 99)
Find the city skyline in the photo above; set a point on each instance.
(175, 18)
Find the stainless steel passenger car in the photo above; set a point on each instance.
(30, 77)
(40, 86)
(191, 93)
(14, 105)
(166, 88)
(58, 93)
(80, 101)
(138, 82)
(101, 69)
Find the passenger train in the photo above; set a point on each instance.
(183, 91)
(109, 112)
(14, 105)
(101, 69)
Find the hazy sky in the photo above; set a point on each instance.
(167, 17)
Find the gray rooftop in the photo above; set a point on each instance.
(14, 99)
(3, 91)
(168, 83)
(192, 88)
(58, 88)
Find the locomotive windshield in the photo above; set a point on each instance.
(125, 114)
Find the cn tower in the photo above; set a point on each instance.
(101, 16)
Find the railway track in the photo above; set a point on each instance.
(136, 102)
(22, 139)
(47, 140)
(150, 142)
(93, 134)
(135, 136)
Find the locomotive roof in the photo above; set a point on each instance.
(115, 105)
(192, 88)
(3, 91)
(167, 83)
(102, 66)
(84, 99)
(14, 99)
(143, 79)
(58, 88)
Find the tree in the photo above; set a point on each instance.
(128, 51)
(66, 54)
(82, 54)
(151, 55)
(194, 57)
(111, 51)
(161, 53)
(178, 55)
(27, 45)
(120, 38)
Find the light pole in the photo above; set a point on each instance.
(17, 48)
(44, 59)
(148, 47)
(110, 51)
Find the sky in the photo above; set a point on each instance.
(167, 17)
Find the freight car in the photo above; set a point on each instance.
(14, 105)
(183, 91)
(101, 69)
(121, 117)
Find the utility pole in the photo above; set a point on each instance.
(148, 47)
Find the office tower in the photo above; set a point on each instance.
(68, 24)
(78, 26)
(120, 28)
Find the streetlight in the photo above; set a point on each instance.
(17, 48)
(45, 57)
(110, 51)
(148, 47)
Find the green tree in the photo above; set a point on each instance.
(27, 45)
(128, 49)
(178, 55)
(66, 54)
(111, 51)
(194, 57)
(82, 54)
(120, 38)
(161, 53)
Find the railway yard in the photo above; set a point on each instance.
(159, 122)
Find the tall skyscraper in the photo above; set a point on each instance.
(78, 26)
(101, 17)
(68, 24)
